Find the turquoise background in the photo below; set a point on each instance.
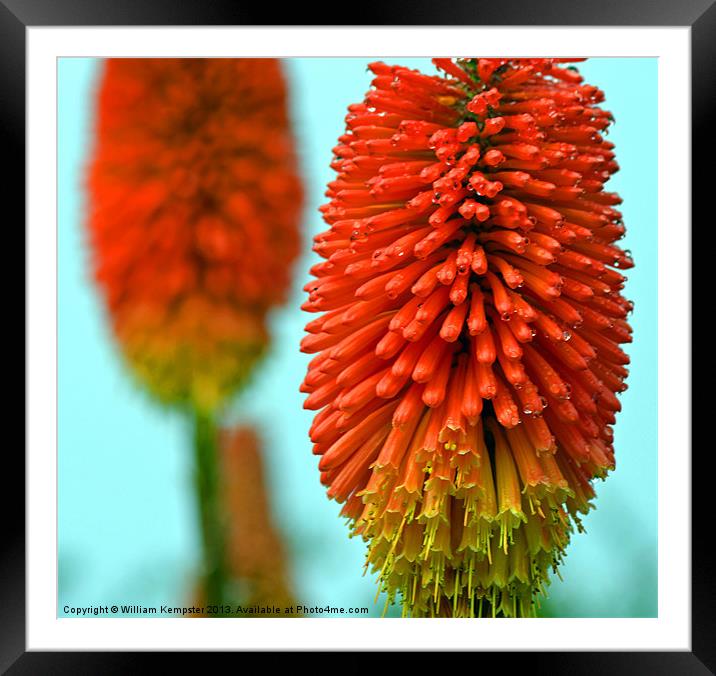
(126, 525)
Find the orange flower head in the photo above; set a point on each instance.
(468, 347)
(194, 201)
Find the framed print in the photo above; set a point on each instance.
(343, 331)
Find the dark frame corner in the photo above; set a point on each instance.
(700, 15)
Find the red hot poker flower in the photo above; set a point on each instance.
(255, 557)
(256, 551)
(467, 351)
(194, 201)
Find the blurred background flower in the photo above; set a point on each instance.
(192, 214)
(126, 526)
(256, 553)
(257, 563)
(194, 201)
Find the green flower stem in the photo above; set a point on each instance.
(210, 512)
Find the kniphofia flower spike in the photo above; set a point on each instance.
(194, 201)
(468, 343)
(193, 217)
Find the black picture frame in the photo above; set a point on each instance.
(700, 15)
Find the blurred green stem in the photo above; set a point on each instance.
(210, 512)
